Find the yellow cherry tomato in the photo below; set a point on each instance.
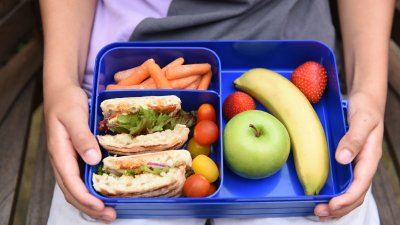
(205, 166)
(196, 149)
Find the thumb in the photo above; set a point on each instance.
(361, 125)
(76, 124)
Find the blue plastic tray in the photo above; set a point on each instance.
(278, 195)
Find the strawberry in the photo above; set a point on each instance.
(311, 78)
(236, 103)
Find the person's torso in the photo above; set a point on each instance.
(147, 20)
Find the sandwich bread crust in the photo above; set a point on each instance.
(170, 158)
(168, 103)
(144, 185)
(125, 144)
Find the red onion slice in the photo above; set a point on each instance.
(156, 164)
(115, 172)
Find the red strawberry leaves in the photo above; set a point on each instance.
(311, 78)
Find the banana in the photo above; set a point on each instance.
(285, 101)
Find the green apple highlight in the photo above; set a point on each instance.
(256, 144)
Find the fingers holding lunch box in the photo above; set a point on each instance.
(65, 119)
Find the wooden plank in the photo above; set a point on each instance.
(42, 186)
(396, 26)
(386, 184)
(30, 161)
(16, 27)
(13, 132)
(398, 5)
(6, 6)
(18, 71)
(394, 67)
(392, 126)
(385, 188)
(392, 112)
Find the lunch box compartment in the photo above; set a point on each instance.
(278, 195)
(191, 100)
(118, 59)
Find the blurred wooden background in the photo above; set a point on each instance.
(26, 178)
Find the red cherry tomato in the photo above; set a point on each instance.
(196, 185)
(206, 112)
(212, 189)
(206, 132)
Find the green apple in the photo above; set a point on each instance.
(256, 144)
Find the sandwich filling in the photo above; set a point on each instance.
(146, 121)
(152, 163)
(149, 168)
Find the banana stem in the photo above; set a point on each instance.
(257, 132)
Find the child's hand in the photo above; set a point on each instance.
(66, 114)
(363, 145)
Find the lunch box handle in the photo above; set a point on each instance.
(345, 105)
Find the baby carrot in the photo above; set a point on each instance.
(151, 85)
(177, 62)
(122, 75)
(183, 82)
(148, 82)
(187, 70)
(194, 85)
(139, 75)
(121, 87)
(205, 81)
(157, 75)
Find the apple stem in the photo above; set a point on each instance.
(257, 132)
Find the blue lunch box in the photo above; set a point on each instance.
(278, 195)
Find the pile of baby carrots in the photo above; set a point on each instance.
(175, 75)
